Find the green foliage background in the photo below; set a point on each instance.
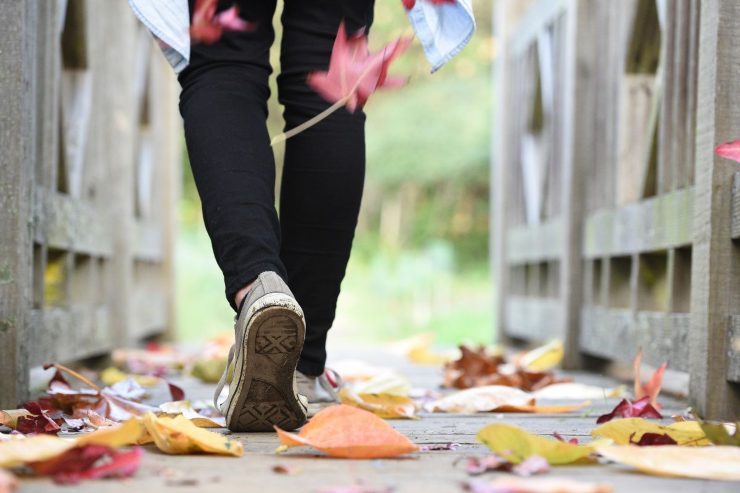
(420, 258)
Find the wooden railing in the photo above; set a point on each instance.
(625, 240)
(90, 157)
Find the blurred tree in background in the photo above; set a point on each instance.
(420, 258)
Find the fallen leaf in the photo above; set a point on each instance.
(653, 439)
(531, 465)
(729, 150)
(33, 448)
(387, 382)
(481, 399)
(38, 421)
(129, 432)
(354, 74)
(439, 446)
(128, 389)
(652, 388)
(112, 375)
(534, 464)
(176, 391)
(718, 433)
(631, 409)
(542, 358)
(349, 432)
(536, 485)
(185, 409)
(208, 27)
(717, 462)
(10, 417)
(622, 431)
(536, 409)
(8, 482)
(576, 391)
(89, 462)
(515, 444)
(385, 406)
(287, 470)
(179, 435)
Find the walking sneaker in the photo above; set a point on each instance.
(269, 332)
(320, 391)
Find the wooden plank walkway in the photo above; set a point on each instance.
(428, 472)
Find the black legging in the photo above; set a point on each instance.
(224, 107)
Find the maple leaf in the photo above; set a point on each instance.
(409, 4)
(652, 388)
(89, 462)
(640, 408)
(354, 73)
(207, 26)
(38, 422)
(729, 150)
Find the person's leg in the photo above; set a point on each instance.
(224, 108)
(324, 168)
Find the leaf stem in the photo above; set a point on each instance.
(309, 123)
(73, 373)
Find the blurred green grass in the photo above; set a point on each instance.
(420, 257)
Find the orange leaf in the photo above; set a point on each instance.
(652, 387)
(567, 408)
(351, 433)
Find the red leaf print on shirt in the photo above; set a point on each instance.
(354, 73)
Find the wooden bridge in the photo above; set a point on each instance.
(615, 226)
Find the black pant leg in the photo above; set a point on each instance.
(324, 169)
(224, 108)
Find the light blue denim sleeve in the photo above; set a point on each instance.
(169, 22)
(443, 29)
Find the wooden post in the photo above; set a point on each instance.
(17, 149)
(715, 293)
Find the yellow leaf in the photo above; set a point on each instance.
(185, 409)
(620, 430)
(385, 406)
(180, 436)
(543, 358)
(515, 445)
(112, 376)
(129, 432)
(31, 449)
(10, 417)
(719, 462)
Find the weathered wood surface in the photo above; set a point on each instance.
(432, 472)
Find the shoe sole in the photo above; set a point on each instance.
(263, 394)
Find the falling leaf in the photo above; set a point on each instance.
(719, 434)
(349, 432)
(33, 448)
(10, 417)
(729, 150)
(622, 431)
(208, 27)
(179, 435)
(89, 462)
(652, 388)
(513, 484)
(185, 409)
(354, 74)
(409, 4)
(8, 482)
(386, 406)
(717, 462)
(631, 409)
(577, 391)
(388, 382)
(543, 358)
(515, 445)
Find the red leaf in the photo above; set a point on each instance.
(176, 392)
(559, 437)
(40, 422)
(729, 150)
(640, 408)
(208, 27)
(89, 462)
(652, 388)
(652, 439)
(409, 4)
(354, 74)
